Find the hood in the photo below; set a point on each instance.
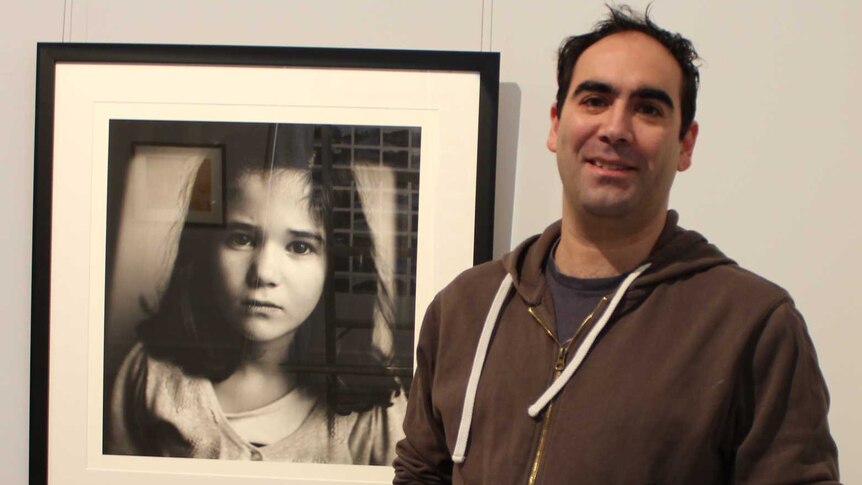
(677, 253)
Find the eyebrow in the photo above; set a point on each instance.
(305, 235)
(655, 94)
(596, 87)
(241, 225)
(296, 234)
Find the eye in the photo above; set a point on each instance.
(240, 240)
(301, 247)
(594, 102)
(650, 110)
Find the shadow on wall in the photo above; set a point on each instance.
(508, 123)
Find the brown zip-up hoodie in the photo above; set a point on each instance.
(705, 374)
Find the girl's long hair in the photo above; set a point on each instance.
(187, 328)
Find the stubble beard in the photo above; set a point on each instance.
(609, 202)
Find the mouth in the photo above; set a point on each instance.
(608, 165)
(260, 305)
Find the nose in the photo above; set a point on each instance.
(617, 126)
(263, 270)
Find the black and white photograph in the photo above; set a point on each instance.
(238, 245)
(280, 330)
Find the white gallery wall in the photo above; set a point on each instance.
(775, 180)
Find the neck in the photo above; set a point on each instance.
(269, 355)
(260, 379)
(593, 247)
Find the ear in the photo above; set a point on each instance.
(687, 147)
(555, 124)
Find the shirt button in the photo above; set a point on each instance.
(256, 456)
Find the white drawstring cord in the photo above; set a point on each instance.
(572, 366)
(459, 453)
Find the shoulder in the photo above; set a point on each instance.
(139, 358)
(157, 378)
(525, 263)
(685, 262)
(468, 294)
(735, 307)
(378, 420)
(459, 309)
(374, 433)
(744, 286)
(483, 278)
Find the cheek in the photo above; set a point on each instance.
(670, 154)
(230, 270)
(307, 277)
(581, 140)
(317, 275)
(306, 287)
(656, 146)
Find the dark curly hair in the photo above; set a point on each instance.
(624, 19)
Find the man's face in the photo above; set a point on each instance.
(617, 138)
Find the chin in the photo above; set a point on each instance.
(610, 210)
(261, 331)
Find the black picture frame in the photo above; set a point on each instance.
(68, 194)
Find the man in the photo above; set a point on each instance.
(617, 347)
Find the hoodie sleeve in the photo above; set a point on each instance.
(422, 457)
(784, 434)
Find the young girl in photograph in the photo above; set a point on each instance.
(213, 374)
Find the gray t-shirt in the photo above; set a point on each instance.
(575, 298)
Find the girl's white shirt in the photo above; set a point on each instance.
(158, 410)
(274, 421)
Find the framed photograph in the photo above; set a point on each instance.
(233, 251)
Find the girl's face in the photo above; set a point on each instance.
(270, 258)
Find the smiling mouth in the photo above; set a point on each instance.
(610, 166)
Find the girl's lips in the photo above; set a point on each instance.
(260, 304)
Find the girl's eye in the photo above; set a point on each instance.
(301, 247)
(240, 240)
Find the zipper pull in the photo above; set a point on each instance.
(561, 361)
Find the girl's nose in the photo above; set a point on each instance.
(264, 267)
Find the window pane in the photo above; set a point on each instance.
(396, 137)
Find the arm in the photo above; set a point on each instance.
(783, 433)
(422, 456)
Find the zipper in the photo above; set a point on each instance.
(559, 365)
